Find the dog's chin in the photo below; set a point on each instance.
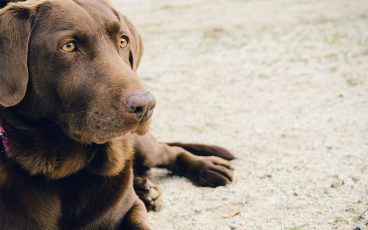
(97, 138)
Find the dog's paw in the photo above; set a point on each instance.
(148, 192)
(206, 171)
(213, 171)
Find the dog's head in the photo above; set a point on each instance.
(73, 63)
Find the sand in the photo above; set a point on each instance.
(284, 85)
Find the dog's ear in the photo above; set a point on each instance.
(136, 44)
(15, 29)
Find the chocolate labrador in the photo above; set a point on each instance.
(74, 119)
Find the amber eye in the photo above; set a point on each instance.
(69, 47)
(124, 41)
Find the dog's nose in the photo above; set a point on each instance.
(140, 105)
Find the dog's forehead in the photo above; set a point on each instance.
(86, 14)
(100, 10)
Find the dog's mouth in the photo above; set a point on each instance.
(102, 132)
(144, 126)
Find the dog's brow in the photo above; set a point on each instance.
(80, 35)
(113, 27)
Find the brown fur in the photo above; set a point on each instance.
(72, 143)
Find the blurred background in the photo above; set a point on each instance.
(284, 85)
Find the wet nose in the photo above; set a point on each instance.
(140, 105)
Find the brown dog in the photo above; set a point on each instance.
(71, 106)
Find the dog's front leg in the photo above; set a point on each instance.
(203, 164)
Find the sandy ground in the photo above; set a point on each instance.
(284, 85)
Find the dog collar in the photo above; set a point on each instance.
(4, 144)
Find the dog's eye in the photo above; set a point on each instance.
(124, 41)
(69, 47)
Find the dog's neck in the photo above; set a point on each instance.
(42, 148)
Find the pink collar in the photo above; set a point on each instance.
(4, 144)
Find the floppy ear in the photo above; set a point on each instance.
(14, 36)
(136, 44)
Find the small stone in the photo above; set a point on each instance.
(269, 176)
(337, 182)
(355, 179)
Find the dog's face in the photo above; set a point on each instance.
(74, 62)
